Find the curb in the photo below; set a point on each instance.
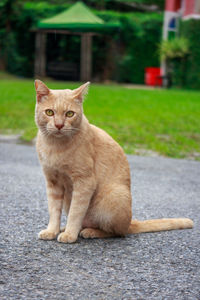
(15, 139)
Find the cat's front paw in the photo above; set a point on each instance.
(47, 235)
(66, 238)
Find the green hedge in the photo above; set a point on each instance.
(140, 35)
(191, 30)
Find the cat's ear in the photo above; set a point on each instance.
(41, 90)
(80, 92)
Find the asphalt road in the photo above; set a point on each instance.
(163, 265)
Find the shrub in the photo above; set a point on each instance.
(190, 29)
(175, 48)
(137, 43)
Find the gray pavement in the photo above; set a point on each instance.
(163, 265)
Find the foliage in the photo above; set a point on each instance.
(174, 48)
(190, 29)
(186, 66)
(136, 43)
(160, 3)
(174, 52)
(165, 121)
(111, 4)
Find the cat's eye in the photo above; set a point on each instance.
(69, 114)
(49, 112)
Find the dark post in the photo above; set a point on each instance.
(86, 56)
(40, 54)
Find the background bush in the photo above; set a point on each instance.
(191, 66)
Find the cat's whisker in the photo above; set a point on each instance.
(69, 130)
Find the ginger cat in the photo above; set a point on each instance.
(86, 172)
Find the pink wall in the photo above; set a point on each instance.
(189, 7)
(173, 5)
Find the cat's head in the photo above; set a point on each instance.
(59, 112)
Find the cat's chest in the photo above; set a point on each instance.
(57, 160)
(73, 161)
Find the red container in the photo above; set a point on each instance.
(153, 76)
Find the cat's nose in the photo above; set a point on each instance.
(59, 126)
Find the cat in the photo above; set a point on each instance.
(86, 171)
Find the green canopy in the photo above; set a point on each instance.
(77, 18)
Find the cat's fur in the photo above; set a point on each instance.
(86, 173)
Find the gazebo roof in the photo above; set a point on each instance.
(78, 17)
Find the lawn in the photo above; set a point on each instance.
(164, 121)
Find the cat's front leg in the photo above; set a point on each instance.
(82, 193)
(55, 203)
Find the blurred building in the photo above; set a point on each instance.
(176, 9)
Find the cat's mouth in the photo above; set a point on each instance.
(58, 133)
(61, 133)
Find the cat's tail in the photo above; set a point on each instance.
(159, 225)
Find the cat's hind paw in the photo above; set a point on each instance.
(88, 233)
(66, 238)
(47, 235)
(92, 233)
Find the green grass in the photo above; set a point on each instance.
(164, 121)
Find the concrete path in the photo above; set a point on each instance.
(164, 265)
